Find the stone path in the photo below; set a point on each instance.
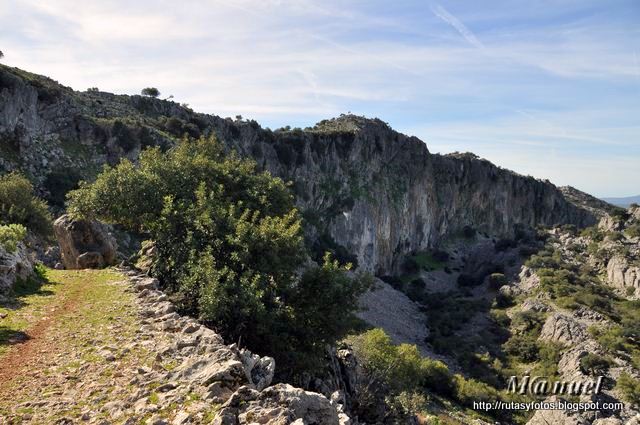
(111, 349)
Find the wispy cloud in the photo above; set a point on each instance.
(465, 32)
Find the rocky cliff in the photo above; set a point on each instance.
(360, 185)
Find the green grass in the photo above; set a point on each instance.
(36, 297)
(27, 303)
(88, 309)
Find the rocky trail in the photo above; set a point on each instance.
(106, 347)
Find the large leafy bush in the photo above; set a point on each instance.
(229, 247)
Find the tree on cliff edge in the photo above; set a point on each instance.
(150, 91)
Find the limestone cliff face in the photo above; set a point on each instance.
(378, 193)
(382, 194)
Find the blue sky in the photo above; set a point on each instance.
(545, 88)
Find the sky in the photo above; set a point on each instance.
(545, 88)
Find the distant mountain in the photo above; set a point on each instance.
(623, 202)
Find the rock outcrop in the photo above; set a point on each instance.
(279, 404)
(563, 329)
(559, 417)
(84, 244)
(622, 275)
(361, 185)
(13, 266)
(235, 379)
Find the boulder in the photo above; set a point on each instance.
(84, 244)
(13, 266)
(259, 370)
(279, 404)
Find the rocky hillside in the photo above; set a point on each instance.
(561, 303)
(365, 190)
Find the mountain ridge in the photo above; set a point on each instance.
(363, 188)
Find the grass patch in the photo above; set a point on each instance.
(87, 309)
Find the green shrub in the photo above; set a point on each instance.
(569, 228)
(470, 390)
(400, 367)
(528, 321)
(467, 280)
(548, 358)
(11, 235)
(406, 405)
(503, 300)
(593, 300)
(230, 245)
(614, 236)
(19, 205)
(523, 347)
(544, 259)
(325, 243)
(611, 339)
(416, 289)
(558, 282)
(500, 318)
(125, 138)
(629, 387)
(468, 232)
(179, 128)
(428, 261)
(449, 313)
(594, 364)
(505, 244)
(410, 266)
(322, 303)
